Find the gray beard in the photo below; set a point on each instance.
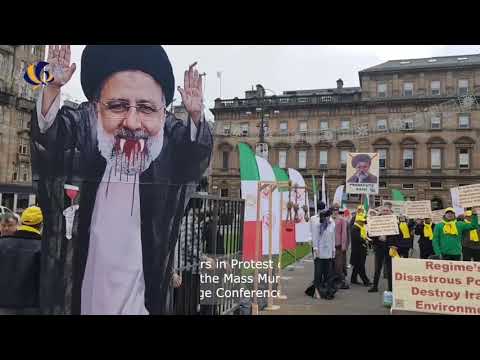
(119, 168)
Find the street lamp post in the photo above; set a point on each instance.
(262, 147)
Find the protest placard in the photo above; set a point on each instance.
(469, 195)
(382, 225)
(437, 216)
(362, 173)
(436, 286)
(398, 207)
(418, 209)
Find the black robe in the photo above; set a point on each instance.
(359, 247)
(68, 154)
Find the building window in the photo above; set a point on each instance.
(435, 185)
(323, 159)
(462, 87)
(408, 89)
(435, 122)
(284, 127)
(323, 125)
(411, 198)
(435, 87)
(23, 148)
(382, 184)
(25, 177)
(303, 126)
(407, 186)
(224, 192)
(345, 124)
(381, 124)
(302, 159)
(226, 130)
(282, 159)
(407, 124)
(464, 159)
(244, 129)
(408, 158)
(225, 156)
(382, 158)
(382, 90)
(343, 158)
(463, 121)
(14, 176)
(436, 158)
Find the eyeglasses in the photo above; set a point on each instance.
(120, 109)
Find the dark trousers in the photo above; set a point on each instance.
(359, 269)
(381, 256)
(471, 254)
(452, 257)
(403, 252)
(340, 263)
(186, 297)
(426, 250)
(322, 272)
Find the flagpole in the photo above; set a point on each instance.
(270, 305)
(219, 75)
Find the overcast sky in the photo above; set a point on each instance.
(279, 68)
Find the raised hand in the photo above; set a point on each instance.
(59, 64)
(192, 93)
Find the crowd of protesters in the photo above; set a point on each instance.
(334, 231)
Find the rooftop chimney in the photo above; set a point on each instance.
(339, 84)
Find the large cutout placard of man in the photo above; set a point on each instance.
(115, 175)
(362, 173)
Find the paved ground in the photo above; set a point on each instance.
(355, 301)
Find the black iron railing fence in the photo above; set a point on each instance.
(211, 227)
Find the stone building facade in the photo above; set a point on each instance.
(17, 100)
(420, 115)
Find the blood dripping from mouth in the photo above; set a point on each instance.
(132, 150)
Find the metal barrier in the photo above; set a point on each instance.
(211, 226)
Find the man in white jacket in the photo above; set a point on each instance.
(323, 238)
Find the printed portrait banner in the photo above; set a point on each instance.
(398, 207)
(382, 225)
(437, 216)
(302, 229)
(362, 173)
(469, 196)
(436, 286)
(418, 209)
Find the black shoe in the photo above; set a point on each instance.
(344, 286)
(367, 283)
(354, 282)
(373, 289)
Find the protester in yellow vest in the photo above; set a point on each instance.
(470, 241)
(359, 250)
(424, 229)
(447, 236)
(405, 242)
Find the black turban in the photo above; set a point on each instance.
(361, 158)
(101, 61)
